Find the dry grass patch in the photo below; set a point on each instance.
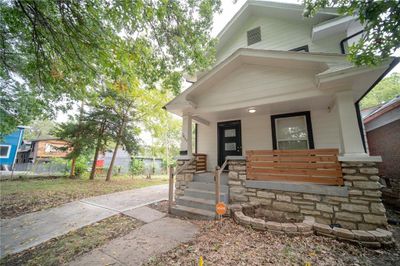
(65, 248)
(29, 195)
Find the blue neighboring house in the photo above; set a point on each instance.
(9, 146)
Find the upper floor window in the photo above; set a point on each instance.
(253, 36)
(301, 49)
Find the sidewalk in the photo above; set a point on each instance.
(141, 244)
(29, 230)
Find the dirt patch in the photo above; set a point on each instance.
(18, 197)
(226, 243)
(65, 248)
(161, 206)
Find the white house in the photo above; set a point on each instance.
(280, 82)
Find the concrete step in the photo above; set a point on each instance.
(192, 213)
(207, 186)
(205, 204)
(208, 177)
(205, 194)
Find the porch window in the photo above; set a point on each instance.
(292, 131)
(4, 151)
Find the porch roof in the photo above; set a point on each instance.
(325, 73)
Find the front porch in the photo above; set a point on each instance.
(348, 196)
(286, 127)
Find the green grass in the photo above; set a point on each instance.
(65, 248)
(28, 195)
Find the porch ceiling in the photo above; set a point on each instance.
(314, 103)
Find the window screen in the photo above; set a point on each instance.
(4, 151)
(291, 133)
(253, 36)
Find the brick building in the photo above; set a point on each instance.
(382, 126)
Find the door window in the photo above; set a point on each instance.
(229, 133)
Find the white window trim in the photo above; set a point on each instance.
(277, 128)
(8, 152)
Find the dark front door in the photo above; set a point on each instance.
(229, 140)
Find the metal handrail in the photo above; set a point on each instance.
(218, 172)
(184, 166)
(171, 180)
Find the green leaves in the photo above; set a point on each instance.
(386, 90)
(65, 49)
(381, 20)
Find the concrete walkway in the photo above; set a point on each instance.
(141, 244)
(29, 230)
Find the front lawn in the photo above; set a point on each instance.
(28, 195)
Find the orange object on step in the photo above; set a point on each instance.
(220, 208)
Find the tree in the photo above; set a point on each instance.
(121, 104)
(40, 129)
(163, 127)
(99, 118)
(381, 20)
(58, 50)
(386, 90)
(79, 134)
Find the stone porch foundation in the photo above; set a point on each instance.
(184, 177)
(356, 206)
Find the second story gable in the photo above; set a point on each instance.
(278, 26)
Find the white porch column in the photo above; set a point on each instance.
(186, 137)
(349, 131)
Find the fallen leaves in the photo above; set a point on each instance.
(226, 243)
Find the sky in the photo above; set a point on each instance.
(229, 9)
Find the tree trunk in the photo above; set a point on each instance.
(96, 156)
(109, 172)
(96, 153)
(72, 173)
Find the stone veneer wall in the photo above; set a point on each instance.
(184, 177)
(362, 209)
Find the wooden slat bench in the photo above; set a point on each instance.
(319, 166)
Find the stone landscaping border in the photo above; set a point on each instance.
(372, 239)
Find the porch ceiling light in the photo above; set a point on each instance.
(251, 110)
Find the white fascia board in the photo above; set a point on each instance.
(341, 74)
(331, 27)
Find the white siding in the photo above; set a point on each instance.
(325, 129)
(256, 134)
(279, 34)
(207, 143)
(252, 82)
